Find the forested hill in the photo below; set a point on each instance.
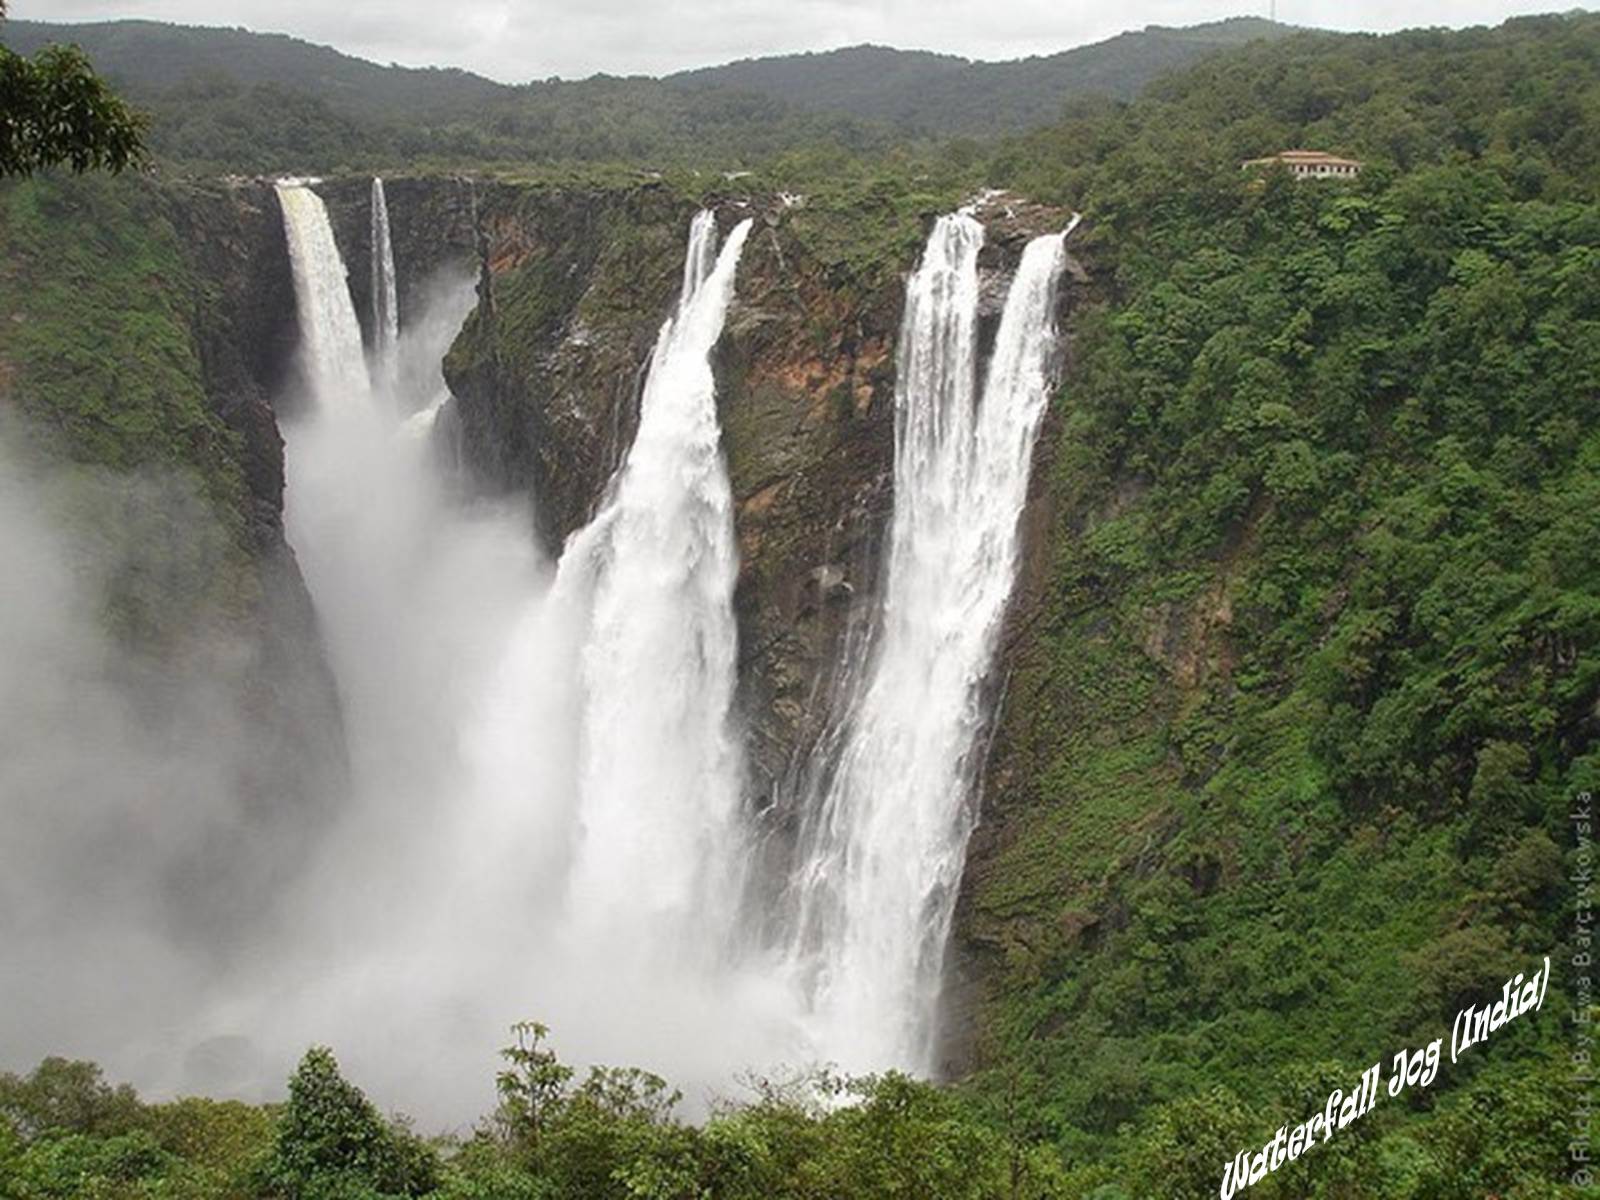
(147, 58)
(939, 93)
(1295, 729)
(1302, 681)
(230, 99)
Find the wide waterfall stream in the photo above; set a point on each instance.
(658, 775)
(886, 828)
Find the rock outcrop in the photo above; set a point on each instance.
(546, 378)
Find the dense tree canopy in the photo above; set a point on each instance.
(1291, 732)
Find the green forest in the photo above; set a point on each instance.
(231, 100)
(1297, 728)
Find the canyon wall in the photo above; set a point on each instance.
(147, 327)
(573, 283)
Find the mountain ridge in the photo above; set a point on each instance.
(918, 90)
(947, 93)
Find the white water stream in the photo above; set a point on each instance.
(547, 815)
(659, 768)
(384, 289)
(884, 842)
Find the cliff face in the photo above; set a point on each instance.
(546, 377)
(244, 328)
(149, 324)
(807, 407)
(432, 229)
(573, 286)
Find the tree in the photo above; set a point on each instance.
(66, 1096)
(55, 110)
(531, 1089)
(331, 1141)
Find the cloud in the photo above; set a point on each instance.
(519, 40)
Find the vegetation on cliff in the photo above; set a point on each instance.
(101, 362)
(1308, 688)
(144, 479)
(1301, 687)
(229, 99)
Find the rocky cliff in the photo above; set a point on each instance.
(546, 378)
(148, 325)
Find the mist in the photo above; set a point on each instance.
(441, 906)
(137, 846)
(192, 933)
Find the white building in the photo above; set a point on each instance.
(1310, 164)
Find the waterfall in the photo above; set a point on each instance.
(884, 842)
(399, 912)
(385, 302)
(546, 775)
(330, 336)
(546, 785)
(608, 776)
(658, 767)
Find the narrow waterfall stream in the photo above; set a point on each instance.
(385, 301)
(385, 296)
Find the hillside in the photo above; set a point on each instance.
(865, 80)
(943, 94)
(230, 99)
(147, 58)
(1290, 748)
(1294, 707)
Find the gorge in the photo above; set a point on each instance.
(558, 781)
(514, 637)
(570, 727)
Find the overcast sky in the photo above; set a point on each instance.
(518, 40)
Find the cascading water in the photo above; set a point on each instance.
(884, 843)
(545, 814)
(611, 718)
(385, 298)
(329, 333)
(541, 817)
(658, 771)
(385, 302)
(545, 820)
